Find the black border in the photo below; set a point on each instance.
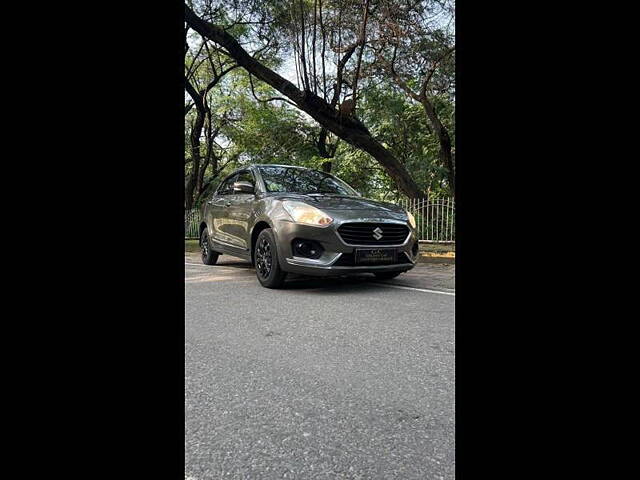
(107, 137)
(102, 122)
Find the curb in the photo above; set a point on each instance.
(437, 259)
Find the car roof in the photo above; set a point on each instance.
(256, 165)
(276, 165)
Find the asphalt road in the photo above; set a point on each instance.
(341, 378)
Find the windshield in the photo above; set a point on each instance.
(302, 180)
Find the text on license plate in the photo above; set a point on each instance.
(375, 255)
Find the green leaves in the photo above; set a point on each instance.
(250, 127)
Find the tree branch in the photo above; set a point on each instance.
(423, 89)
(361, 40)
(271, 99)
(347, 128)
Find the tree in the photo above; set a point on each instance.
(206, 68)
(204, 71)
(247, 122)
(347, 128)
(414, 48)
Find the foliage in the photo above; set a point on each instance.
(251, 127)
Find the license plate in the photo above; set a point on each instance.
(375, 256)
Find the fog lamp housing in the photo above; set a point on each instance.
(306, 248)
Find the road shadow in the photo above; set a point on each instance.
(431, 277)
(331, 284)
(338, 283)
(302, 282)
(236, 264)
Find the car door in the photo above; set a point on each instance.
(240, 212)
(218, 212)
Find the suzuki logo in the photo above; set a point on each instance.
(377, 233)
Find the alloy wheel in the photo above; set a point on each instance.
(264, 258)
(204, 246)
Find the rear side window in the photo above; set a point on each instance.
(245, 176)
(227, 186)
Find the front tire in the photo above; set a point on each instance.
(208, 256)
(268, 270)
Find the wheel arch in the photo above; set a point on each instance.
(255, 231)
(201, 228)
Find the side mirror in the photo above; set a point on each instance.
(243, 187)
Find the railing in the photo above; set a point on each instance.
(191, 223)
(435, 219)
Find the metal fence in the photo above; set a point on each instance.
(435, 219)
(191, 223)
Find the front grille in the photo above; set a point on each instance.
(363, 233)
(349, 260)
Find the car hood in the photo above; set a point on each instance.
(334, 203)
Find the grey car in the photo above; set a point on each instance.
(286, 219)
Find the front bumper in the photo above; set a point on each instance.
(337, 256)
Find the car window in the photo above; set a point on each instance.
(227, 187)
(245, 176)
(299, 180)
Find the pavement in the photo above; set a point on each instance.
(327, 378)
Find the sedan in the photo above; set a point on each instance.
(286, 219)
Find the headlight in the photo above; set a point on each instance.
(302, 213)
(412, 219)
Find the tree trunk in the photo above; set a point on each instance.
(323, 152)
(322, 139)
(350, 130)
(194, 140)
(446, 155)
(362, 41)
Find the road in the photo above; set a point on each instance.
(341, 378)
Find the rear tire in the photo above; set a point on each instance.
(208, 256)
(387, 275)
(268, 270)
